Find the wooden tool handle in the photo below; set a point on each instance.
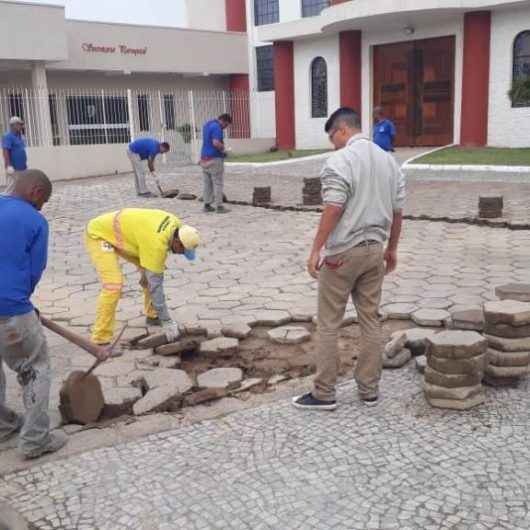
(74, 338)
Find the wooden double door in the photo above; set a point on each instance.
(414, 83)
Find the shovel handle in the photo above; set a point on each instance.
(74, 338)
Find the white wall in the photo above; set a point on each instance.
(443, 28)
(290, 10)
(310, 131)
(206, 14)
(507, 126)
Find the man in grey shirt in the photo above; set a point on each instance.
(364, 193)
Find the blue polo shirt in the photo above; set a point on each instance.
(384, 134)
(16, 145)
(23, 254)
(145, 147)
(211, 131)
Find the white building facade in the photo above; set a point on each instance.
(441, 69)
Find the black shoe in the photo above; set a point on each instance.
(370, 401)
(222, 209)
(208, 208)
(152, 321)
(307, 401)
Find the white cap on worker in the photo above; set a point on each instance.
(15, 120)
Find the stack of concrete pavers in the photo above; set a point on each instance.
(490, 207)
(312, 192)
(455, 368)
(262, 195)
(508, 334)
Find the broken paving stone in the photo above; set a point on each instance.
(272, 318)
(179, 380)
(396, 345)
(468, 319)
(400, 311)
(431, 317)
(221, 346)
(194, 329)
(184, 345)
(441, 379)
(226, 378)
(421, 363)
(514, 291)
(248, 384)
(289, 335)
(203, 396)
(160, 399)
(152, 341)
(120, 400)
(400, 360)
(279, 378)
(509, 345)
(511, 312)
(457, 404)
(416, 339)
(237, 330)
(456, 344)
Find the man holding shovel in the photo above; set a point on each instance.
(23, 256)
(145, 238)
(140, 151)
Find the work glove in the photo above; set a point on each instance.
(171, 330)
(10, 170)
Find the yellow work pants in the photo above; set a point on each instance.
(106, 260)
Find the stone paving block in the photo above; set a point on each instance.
(398, 361)
(511, 312)
(456, 344)
(120, 400)
(184, 345)
(289, 335)
(160, 399)
(506, 371)
(460, 393)
(514, 291)
(226, 378)
(444, 380)
(272, 318)
(396, 345)
(399, 311)
(170, 362)
(248, 384)
(458, 366)
(469, 319)
(509, 345)
(179, 380)
(457, 404)
(416, 339)
(500, 358)
(115, 367)
(237, 330)
(220, 347)
(507, 331)
(203, 396)
(431, 317)
(421, 363)
(152, 341)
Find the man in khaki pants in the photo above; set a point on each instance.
(364, 193)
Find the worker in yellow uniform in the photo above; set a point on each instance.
(145, 238)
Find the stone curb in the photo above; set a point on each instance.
(299, 159)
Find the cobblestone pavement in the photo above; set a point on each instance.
(447, 199)
(399, 466)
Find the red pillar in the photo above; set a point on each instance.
(476, 77)
(350, 69)
(236, 15)
(239, 106)
(284, 87)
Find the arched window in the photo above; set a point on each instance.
(319, 88)
(520, 93)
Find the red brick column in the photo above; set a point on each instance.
(284, 87)
(236, 15)
(350, 69)
(240, 106)
(476, 77)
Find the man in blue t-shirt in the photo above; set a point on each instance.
(213, 154)
(14, 150)
(384, 130)
(140, 151)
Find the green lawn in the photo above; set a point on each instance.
(278, 155)
(481, 156)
